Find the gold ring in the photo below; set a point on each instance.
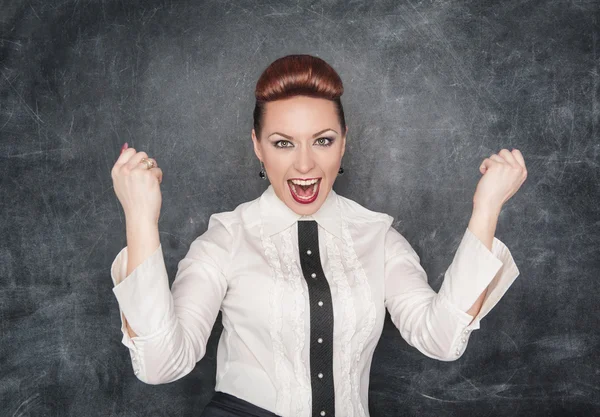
(149, 163)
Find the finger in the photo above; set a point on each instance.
(508, 157)
(498, 159)
(518, 157)
(486, 164)
(157, 172)
(134, 161)
(125, 156)
(143, 165)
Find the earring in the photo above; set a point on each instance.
(262, 171)
(341, 170)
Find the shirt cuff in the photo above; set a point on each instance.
(474, 268)
(144, 296)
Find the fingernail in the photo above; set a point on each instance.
(125, 146)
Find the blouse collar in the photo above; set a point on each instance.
(277, 216)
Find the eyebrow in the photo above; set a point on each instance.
(289, 137)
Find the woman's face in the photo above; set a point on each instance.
(301, 140)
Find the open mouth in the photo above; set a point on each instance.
(304, 191)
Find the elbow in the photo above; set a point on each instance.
(450, 356)
(164, 373)
(167, 359)
(453, 351)
(444, 356)
(447, 356)
(441, 349)
(443, 336)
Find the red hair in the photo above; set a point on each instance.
(295, 75)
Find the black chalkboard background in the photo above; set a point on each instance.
(431, 89)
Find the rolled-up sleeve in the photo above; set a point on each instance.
(437, 324)
(172, 325)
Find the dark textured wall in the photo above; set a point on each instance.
(431, 89)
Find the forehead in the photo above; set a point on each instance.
(300, 114)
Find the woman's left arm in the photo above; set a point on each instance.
(483, 226)
(439, 324)
(503, 175)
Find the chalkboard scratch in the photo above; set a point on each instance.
(71, 127)
(470, 383)
(511, 339)
(508, 380)
(319, 14)
(175, 236)
(595, 77)
(9, 41)
(11, 115)
(27, 403)
(89, 203)
(594, 387)
(93, 246)
(438, 36)
(37, 152)
(439, 399)
(22, 99)
(146, 20)
(34, 12)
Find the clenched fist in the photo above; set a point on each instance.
(136, 186)
(503, 175)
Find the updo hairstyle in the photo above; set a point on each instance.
(295, 75)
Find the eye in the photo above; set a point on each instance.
(276, 144)
(329, 142)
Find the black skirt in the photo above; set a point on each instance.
(227, 405)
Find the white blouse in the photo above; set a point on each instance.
(247, 265)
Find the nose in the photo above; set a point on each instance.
(304, 159)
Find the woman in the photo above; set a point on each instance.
(302, 275)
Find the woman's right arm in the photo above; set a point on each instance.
(170, 327)
(142, 241)
(166, 330)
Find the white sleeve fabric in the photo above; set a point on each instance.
(437, 324)
(172, 326)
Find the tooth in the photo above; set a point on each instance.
(314, 189)
(305, 182)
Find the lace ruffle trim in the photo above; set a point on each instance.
(347, 322)
(365, 328)
(295, 279)
(283, 377)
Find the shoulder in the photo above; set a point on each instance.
(218, 241)
(235, 218)
(394, 241)
(356, 213)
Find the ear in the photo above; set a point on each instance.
(257, 147)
